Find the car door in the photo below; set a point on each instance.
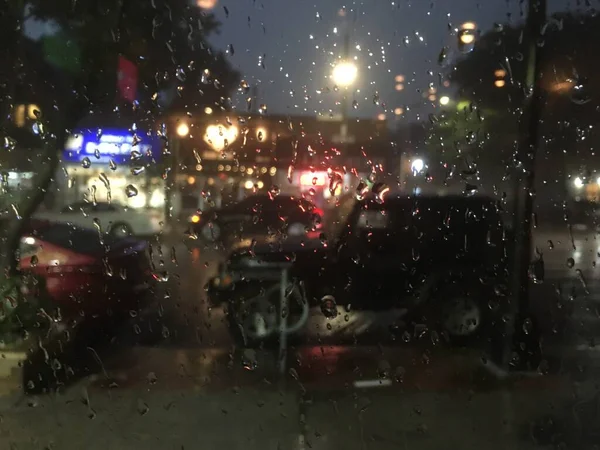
(378, 257)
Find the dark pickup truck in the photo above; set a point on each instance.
(404, 266)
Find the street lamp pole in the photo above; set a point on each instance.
(524, 185)
(173, 160)
(344, 104)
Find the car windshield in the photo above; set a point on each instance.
(360, 224)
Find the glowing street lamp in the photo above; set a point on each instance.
(183, 129)
(344, 74)
(444, 100)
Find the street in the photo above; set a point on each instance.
(191, 384)
(189, 325)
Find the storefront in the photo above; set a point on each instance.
(113, 165)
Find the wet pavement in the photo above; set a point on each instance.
(190, 384)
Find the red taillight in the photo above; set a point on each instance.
(319, 212)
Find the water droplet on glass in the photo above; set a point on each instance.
(33, 261)
(580, 91)
(274, 191)
(112, 165)
(137, 170)
(329, 307)
(142, 407)
(537, 272)
(527, 326)
(249, 360)
(131, 191)
(570, 263)
(354, 104)
(86, 163)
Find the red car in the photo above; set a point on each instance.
(87, 275)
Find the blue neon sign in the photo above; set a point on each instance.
(118, 145)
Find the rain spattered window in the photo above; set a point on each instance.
(280, 224)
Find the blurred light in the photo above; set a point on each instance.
(467, 37)
(432, 98)
(444, 100)
(206, 4)
(139, 201)
(399, 78)
(248, 184)
(32, 110)
(183, 129)
(598, 180)
(578, 182)
(263, 170)
(29, 240)
(208, 110)
(500, 73)
(195, 218)
(468, 26)
(446, 83)
(313, 179)
(499, 83)
(227, 168)
(344, 73)
(250, 171)
(432, 90)
(191, 180)
(272, 171)
(417, 165)
(74, 142)
(19, 116)
(220, 168)
(398, 111)
(381, 116)
(399, 87)
(199, 167)
(260, 185)
(219, 136)
(157, 199)
(261, 134)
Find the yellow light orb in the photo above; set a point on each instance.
(344, 73)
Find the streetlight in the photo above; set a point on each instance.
(183, 129)
(344, 74)
(417, 166)
(444, 100)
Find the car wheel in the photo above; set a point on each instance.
(120, 230)
(211, 232)
(255, 315)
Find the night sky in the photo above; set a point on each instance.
(298, 42)
(295, 42)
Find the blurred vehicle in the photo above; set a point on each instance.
(258, 215)
(87, 275)
(433, 262)
(112, 218)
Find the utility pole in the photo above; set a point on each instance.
(525, 178)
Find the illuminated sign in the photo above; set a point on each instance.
(117, 145)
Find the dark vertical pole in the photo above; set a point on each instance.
(344, 104)
(525, 179)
